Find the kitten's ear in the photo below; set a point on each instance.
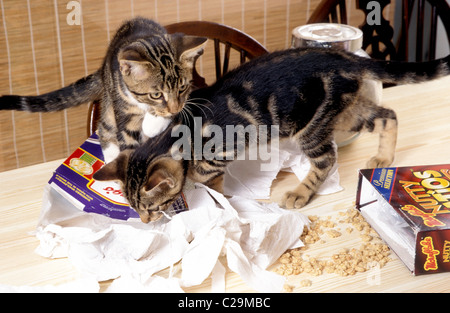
(189, 48)
(164, 175)
(114, 170)
(161, 179)
(133, 64)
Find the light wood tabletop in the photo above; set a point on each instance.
(424, 138)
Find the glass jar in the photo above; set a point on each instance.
(344, 37)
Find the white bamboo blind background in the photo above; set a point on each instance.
(40, 52)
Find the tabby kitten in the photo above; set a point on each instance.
(144, 80)
(308, 93)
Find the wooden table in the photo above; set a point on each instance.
(424, 138)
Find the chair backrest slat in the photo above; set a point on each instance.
(226, 58)
(217, 58)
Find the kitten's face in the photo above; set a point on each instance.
(148, 192)
(157, 71)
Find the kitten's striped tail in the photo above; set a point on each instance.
(409, 72)
(84, 90)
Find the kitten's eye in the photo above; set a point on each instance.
(155, 95)
(182, 85)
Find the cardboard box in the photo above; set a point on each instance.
(409, 207)
(73, 180)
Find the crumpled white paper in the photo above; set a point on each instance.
(250, 235)
(245, 177)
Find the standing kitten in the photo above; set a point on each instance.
(307, 93)
(144, 80)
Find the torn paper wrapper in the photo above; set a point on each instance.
(253, 178)
(250, 235)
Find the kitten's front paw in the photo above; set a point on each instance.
(153, 125)
(110, 153)
(294, 200)
(378, 162)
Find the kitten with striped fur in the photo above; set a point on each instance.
(143, 82)
(308, 93)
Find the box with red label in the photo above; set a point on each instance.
(73, 180)
(409, 207)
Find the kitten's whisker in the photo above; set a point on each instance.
(200, 105)
(186, 113)
(184, 117)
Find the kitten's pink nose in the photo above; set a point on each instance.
(145, 217)
(174, 109)
(174, 106)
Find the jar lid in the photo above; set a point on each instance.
(327, 35)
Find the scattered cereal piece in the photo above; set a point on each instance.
(288, 288)
(305, 283)
(333, 233)
(366, 238)
(360, 268)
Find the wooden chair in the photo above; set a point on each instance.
(231, 38)
(378, 39)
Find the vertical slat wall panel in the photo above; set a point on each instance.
(40, 51)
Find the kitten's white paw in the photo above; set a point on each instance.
(153, 125)
(110, 152)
